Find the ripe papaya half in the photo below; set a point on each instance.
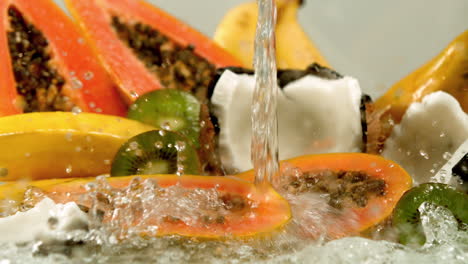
(61, 144)
(47, 64)
(363, 188)
(144, 48)
(236, 208)
(447, 72)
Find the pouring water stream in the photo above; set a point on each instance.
(264, 144)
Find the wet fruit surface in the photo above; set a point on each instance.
(176, 67)
(344, 188)
(157, 205)
(37, 80)
(361, 189)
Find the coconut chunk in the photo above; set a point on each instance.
(315, 115)
(428, 135)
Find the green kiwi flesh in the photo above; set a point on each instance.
(156, 152)
(169, 109)
(406, 217)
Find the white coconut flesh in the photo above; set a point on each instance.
(315, 115)
(428, 135)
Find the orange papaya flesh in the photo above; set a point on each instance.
(370, 187)
(247, 211)
(145, 48)
(447, 72)
(49, 66)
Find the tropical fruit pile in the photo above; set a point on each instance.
(126, 90)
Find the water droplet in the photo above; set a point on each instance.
(76, 110)
(133, 145)
(88, 75)
(169, 145)
(98, 110)
(166, 126)
(72, 73)
(202, 123)
(80, 40)
(424, 154)
(158, 145)
(180, 145)
(447, 155)
(3, 172)
(92, 104)
(162, 133)
(68, 170)
(442, 134)
(27, 154)
(107, 162)
(78, 149)
(134, 106)
(133, 94)
(68, 136)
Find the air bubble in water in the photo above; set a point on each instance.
(92, 104)
(162, 133)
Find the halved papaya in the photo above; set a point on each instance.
(37, 146)
(363, 188)
(145, 48)
(48, 65)
(245, 209)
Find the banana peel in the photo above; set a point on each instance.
(447, 72)
(236, 33)
(294, 49)
(60, 145)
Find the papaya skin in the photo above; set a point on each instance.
(378, 208)
(270, 213)
(60, 144)
(447, 72)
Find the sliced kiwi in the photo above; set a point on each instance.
(406, 217)
(169, 109)
(156, 152)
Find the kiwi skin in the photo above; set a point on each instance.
(169, 109)
(406, 217)
(158, 148)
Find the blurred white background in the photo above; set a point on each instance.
(377, 41)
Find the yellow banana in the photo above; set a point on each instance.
(446, 72)
(59, 145)
(294, 49)
(236, 33)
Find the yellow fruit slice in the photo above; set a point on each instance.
(57, 144)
